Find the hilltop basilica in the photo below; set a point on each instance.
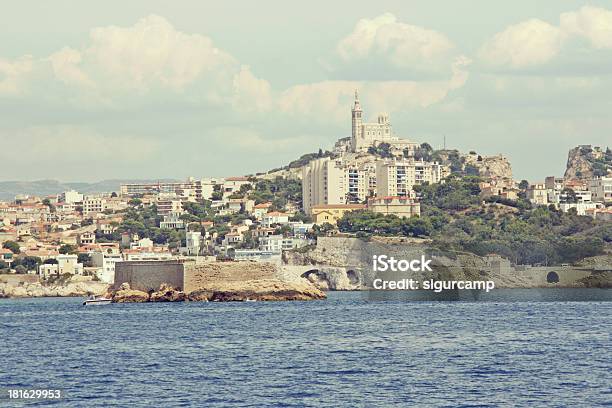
(365, 135)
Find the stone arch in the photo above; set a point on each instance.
(309, 272)
(552, 277)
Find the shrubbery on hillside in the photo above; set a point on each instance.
(456, 219)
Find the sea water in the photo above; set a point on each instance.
(349, 350)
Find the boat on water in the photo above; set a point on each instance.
(97, 300)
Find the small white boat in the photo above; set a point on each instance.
(250, 300)
(97, 300)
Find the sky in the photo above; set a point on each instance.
(159, 89)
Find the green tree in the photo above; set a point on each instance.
(568, 196)
(85, 259)
(135, 202)
(12, 246)
(30, 262)
(67, 249)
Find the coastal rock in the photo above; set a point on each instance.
(167, 293)
(200, 295)
(266, 290)
(127, 295)
(39, 289)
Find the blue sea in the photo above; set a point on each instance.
(548, 349)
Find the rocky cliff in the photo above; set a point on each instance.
(586, 161)
(15, 288)
(341, 263)
(490, 167)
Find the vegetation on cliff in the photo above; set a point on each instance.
(586, 162)
(455, 218)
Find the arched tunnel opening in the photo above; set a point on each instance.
(315, 272)
(352, 277)
(552, 277)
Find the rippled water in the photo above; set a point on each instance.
(345, 351)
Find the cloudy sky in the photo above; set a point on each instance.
(161, 89)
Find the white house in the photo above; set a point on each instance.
(105, 262)
(274, 217)
(65, 264)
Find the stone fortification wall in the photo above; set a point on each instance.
(149, 275)
(218, 274)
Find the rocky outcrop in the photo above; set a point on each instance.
(266, 290)
(586, 161)
(224, 291)
(167, 293)
(490, 167)
(125, 294)
(39, 289)
(201, 295)
(598, 280)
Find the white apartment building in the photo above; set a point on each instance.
(581, 207)
(329, 181)
(601, 189)
(93, 205)
(582, 196)
(397, 178)
(208, 187)
(144, 243)
(192, 242)
(185, 188)
(279, 243)
(71, 197)
(172, 221)
(232, 238)
(167, 206)
(232, 185)
(274, 217)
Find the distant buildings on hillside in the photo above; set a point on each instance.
(586, 197)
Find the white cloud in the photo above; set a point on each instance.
(66, 65)
(14, 75)
(331, 99)
(403, 45)
(535, 42)
(153, 53)
(251, 93)
(593, 23)
(119, 65)
(529, 43)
